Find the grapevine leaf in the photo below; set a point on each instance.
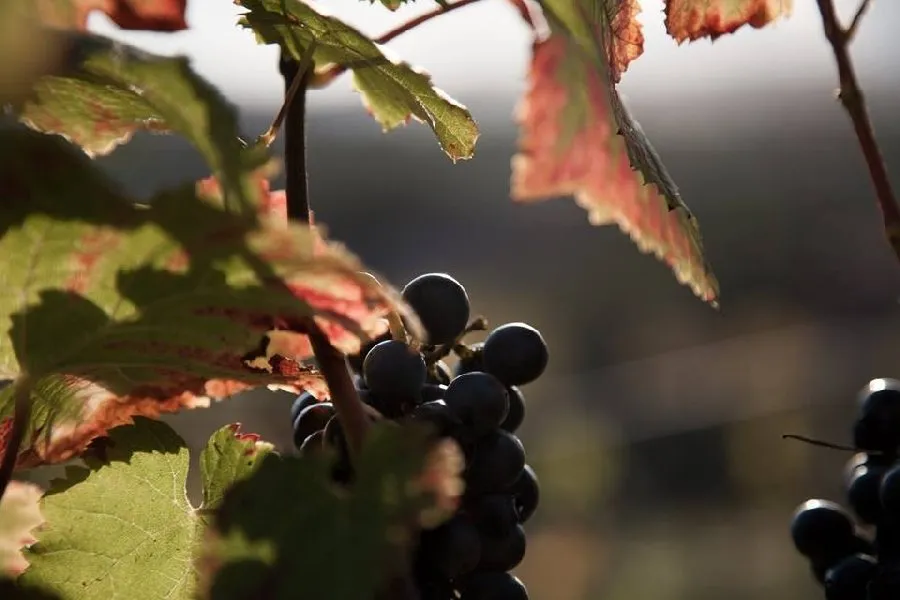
(106, 91)
(578, 138)
(321, 532)
(158, 15)
(124, 310)
(19, 516)
(695, 19)
(123, 528)
(392, 91)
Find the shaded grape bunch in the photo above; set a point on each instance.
(854, 552)
(480, 405)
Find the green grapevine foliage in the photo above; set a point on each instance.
(122, 309)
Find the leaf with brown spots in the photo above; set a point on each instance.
(122, 310)
(577, 138)
(134, 15)
(122, 528)
(393, 92)
(695, 19)
(104, 92)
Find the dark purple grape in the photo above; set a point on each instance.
(431, 392)
(890, 492)
(502, 552)
(822, 529)
(515, 353)
(479, 400)
(850, 577)
(497, 461)
(441, 303)
(863, 488)
(516, 414)
(313, 444)
(394, 369)
(878, 426)
(311, 419)
(302, 401)
(452, 549)
(356, 360)
(526, 493)
(493, 514)
(493, 585)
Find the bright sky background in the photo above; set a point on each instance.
(482, 50)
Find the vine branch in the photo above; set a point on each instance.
(21, 416)
(851, 98)
(332, 363)
(327, 75)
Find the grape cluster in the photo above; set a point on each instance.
(479, 404)
(860, 559)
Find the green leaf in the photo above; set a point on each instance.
(393, 92)
(229, 456)
(291, 532)
(105, 91)
(124, 310)
(578, 138)
(122, 528)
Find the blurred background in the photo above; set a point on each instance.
(656, 431)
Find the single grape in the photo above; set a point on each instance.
(356, 360)
(878, 426)
(863, 488)
(515, 353)
(885, 583)
(516, 413)
(494, 514)
(313, 444)
(435, 589)
(334, 437)
(887, 539)
(439, 374)
(473, 360)
(850, 577)
(431, 392)
(479, 400)
(312, 419)
(890, 492)
(437, 415)
(493, 585)
(821, 528)
(497, 461)
(451, 549)
(441, 303)
(394, 369)
(303, 400)
(526, 493)
(503, 552)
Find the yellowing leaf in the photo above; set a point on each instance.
(123, 310)
(577, 138)
(695, 19)
(150, 15)
(20, 514)
(122, 528)
(392, 91)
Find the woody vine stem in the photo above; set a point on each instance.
(852, 99)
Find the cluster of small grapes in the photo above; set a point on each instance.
(861, 562)
(479, 405)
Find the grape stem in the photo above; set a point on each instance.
(477, 324)
(332, 364)
(851, 97)
(329, 74)
(21, 416)
(823, 444)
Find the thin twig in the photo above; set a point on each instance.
(820, 443)
(851, 97)
(327, 75)
(21, 416)
(332, 363)
(854, 24)
(304, 65)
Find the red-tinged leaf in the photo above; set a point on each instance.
(123, 310)
(147, 15)
(577, 138)
(20, 515)
(695, 19)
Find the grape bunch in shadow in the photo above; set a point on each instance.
(854, 552)
(480, 405)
